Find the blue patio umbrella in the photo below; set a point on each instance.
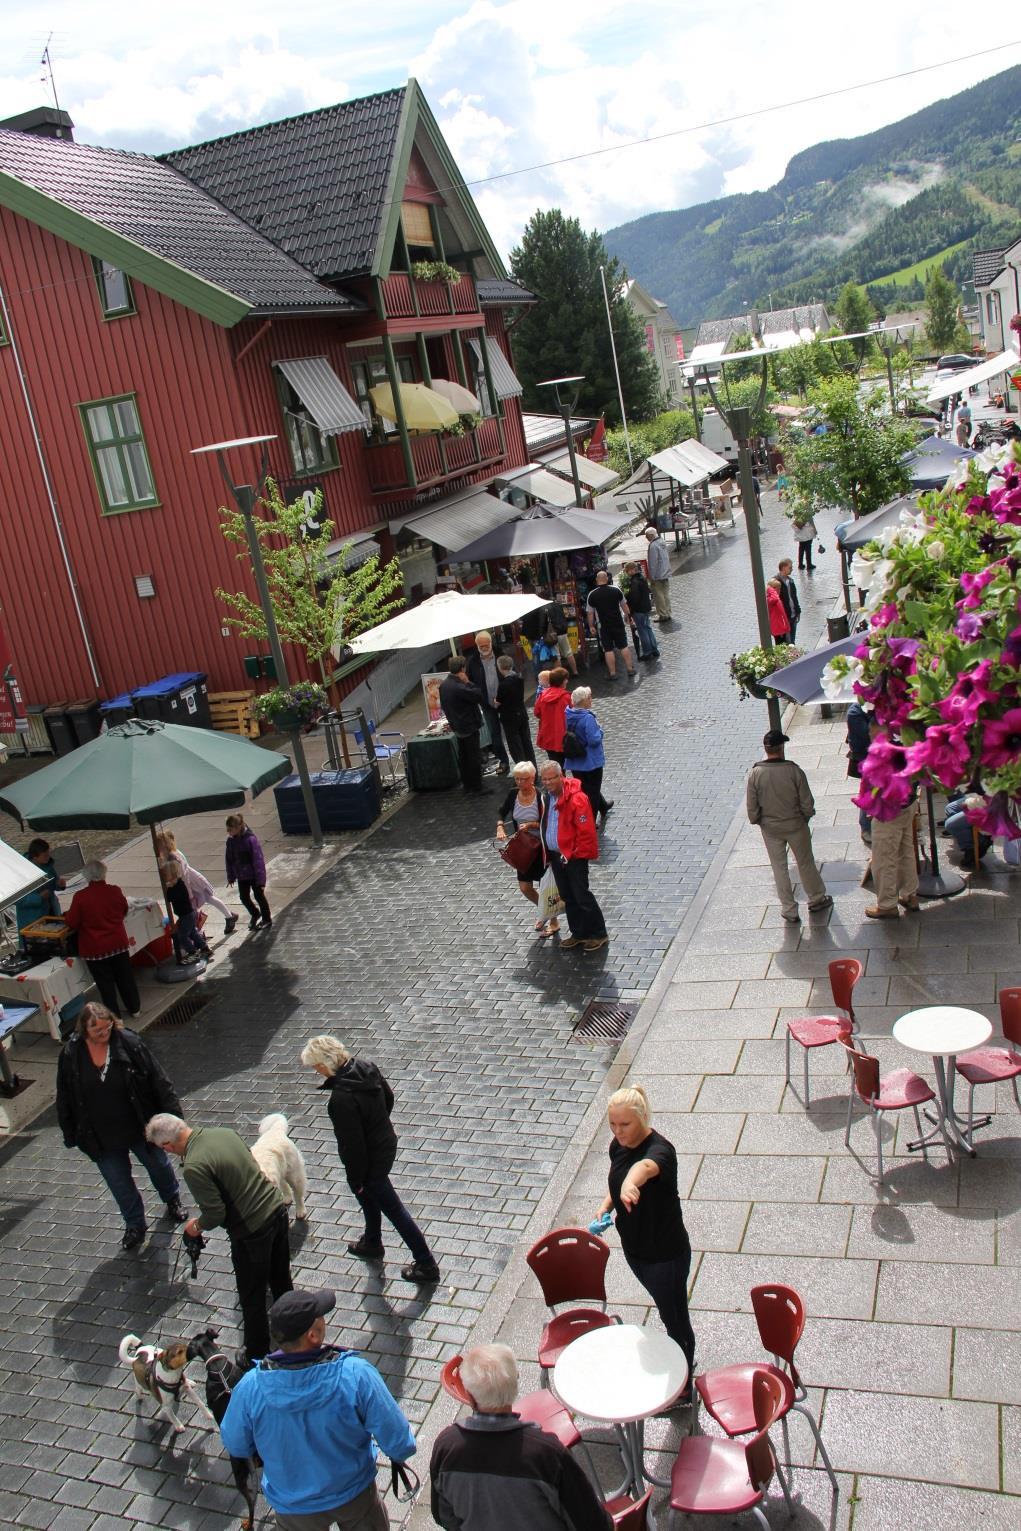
(802, 680)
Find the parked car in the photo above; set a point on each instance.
(955, 362)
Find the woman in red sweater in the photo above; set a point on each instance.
(97, 914)
(550, 706)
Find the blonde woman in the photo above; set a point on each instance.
(200, 889)
(519, 819)
(360, 1103)
(643, 1194)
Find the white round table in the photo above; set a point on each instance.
(944, 1031)
(622, 1375)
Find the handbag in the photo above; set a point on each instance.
(550, 902)
(819, 548)
(520, 850)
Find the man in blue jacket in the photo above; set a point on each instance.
(315, 1414)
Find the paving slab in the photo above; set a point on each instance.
(936, 1440)
(886, 1504)
(774, 1228)
(834, 1288)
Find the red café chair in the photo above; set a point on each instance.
(893, 1092)
(540, 1408)
(630, 1514)
(714, 1477)
(988, 1065)
(823, 1030)
(570, 1266)
(728, 1394)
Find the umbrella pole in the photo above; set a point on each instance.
(845, 583)
(933, 883)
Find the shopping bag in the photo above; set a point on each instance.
(550, 902)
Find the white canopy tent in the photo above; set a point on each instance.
(444, 616)
(675, 465)
(1006, 361)
(18, 876)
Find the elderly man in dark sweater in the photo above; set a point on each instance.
(495, 1472)
(461, 703)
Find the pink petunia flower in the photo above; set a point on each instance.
(944, 754)
(968, 695)
(1001, 743)
(973, 586)
(993, 818)
(968, 626)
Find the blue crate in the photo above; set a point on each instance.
(344, 799)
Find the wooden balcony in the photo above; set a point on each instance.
(438, 459)
(407, 299)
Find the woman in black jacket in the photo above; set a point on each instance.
(108, 1086)
(360, 1103)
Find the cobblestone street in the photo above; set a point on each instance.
(418, 951)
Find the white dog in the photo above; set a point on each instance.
(281, 1162)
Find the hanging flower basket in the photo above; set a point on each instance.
(749, 669)
(289, 708)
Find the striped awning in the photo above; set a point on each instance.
(504, 381)
(594, 474)
(323, 394)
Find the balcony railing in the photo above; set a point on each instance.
(407, 299)
(437, 458)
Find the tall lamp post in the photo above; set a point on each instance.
(243, 496)
(565, 395)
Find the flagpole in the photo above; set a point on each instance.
(616, 369)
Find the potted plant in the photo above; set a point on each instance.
(289, 708)
(435, 271)
(749, 669)
(466, 423)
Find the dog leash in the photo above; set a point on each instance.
(409, 1481)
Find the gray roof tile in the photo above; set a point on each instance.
(495, 291)
(315, 184)
(159, 209)
(985, 265)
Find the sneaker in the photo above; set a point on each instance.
(875, 913)
(820, 904)
(606, 810)
(229, 924)
(424, 1272)
(594, 944)
(569, 941)
(364, 1250)
(175, 1211)
(268, 924)
(132, 1238)
(255, 922)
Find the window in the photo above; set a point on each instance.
(369, 374)
(3, 333)
(991, 307)
(119, 458)
(418, 230)
(114, 289)
(473, 356)
(311, 450)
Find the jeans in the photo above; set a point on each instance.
(584, 915)
(646, 636)
(378, 1199)
(495, 736)
(245, 891)
(805, 556)
(469, 761)
(187, 937)
(666, 1282)
(261, 1259)
(114, 1164)
(115, 980)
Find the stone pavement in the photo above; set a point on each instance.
(416, 948)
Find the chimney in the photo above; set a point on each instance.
(43, 121)
(755, 325)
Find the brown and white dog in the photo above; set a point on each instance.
(159, 1374)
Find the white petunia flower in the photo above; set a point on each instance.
(935, 550)
(838, 679)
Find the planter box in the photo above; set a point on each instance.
(344, 800)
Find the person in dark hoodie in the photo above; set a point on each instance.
(510, 698)
(360, 1103)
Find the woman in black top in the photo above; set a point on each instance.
(519, 816)
(643, 1194)
(108, 1086)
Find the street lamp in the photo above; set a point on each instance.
(243, 496)
(566, 403)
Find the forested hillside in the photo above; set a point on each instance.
(946, 179)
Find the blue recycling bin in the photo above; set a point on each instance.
(117, 710)
(181, 698)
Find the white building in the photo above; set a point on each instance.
(660, 338)
(998, 290)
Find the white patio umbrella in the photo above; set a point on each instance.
(464, 402)
(443, 616)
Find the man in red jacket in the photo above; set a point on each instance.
(569, 843)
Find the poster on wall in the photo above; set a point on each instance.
(431, 683)
(13, 717)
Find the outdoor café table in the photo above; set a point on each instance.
(944, 1031)
(622, 1375)
(13, 1017)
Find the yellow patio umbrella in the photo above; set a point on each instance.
(424, 410)
(464, 402)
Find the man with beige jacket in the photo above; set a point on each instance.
(780, 802)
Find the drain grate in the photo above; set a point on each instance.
(605, 1020)
(186, 1009)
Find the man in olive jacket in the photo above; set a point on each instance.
(780, 802)
(233, 1193)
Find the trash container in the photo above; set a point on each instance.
(83, 716)
(837, 628)
(181, 698)
(117, 710)
(344, 800)
(59, 729)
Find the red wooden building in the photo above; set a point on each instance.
(261, 283)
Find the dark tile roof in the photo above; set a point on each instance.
(150, 203)
(985, 265)
(809, 316)
(315, 184)
(498, 291)
(712, 331)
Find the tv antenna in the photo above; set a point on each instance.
(46, 62)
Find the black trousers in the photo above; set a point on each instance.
(245, 892)
(666, 1282)
(469, 761)
(495, 734)
(584, 915)
(592, 786)
(518, 736)
(261, 1260)
(805, 556)
(115, 977)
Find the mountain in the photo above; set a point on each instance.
(941, 182)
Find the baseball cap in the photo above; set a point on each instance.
(774, 739)
(293, 1314)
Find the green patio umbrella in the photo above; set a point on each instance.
(144, 770)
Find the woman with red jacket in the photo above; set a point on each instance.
(779, 622)
(569, 843)
(550, 705)
(97, 914)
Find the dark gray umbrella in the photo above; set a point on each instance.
(852, 535)
(802, 680)
(932, 462)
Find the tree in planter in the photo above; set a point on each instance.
(317, 603)
(856, 465)
(941, 304)
(566, 333)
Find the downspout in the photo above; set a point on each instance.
(254, 340)
(50, 495)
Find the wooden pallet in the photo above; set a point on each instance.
(231, 713)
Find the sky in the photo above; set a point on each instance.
(513, 83)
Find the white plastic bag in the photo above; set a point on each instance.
(550, 902)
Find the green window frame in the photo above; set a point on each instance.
(311, 450)
(366, 374)
(120, 458)
(114, 286)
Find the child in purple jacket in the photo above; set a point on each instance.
(246, 866)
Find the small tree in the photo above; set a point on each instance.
(855, 313)
(941, 304)
(744, 393)
(317, 602)
(856, 464)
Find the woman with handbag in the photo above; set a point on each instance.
(522, 848)
(805, 533)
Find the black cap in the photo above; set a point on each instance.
(293, 1314)
(775, 739)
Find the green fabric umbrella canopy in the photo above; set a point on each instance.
(144, 770)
